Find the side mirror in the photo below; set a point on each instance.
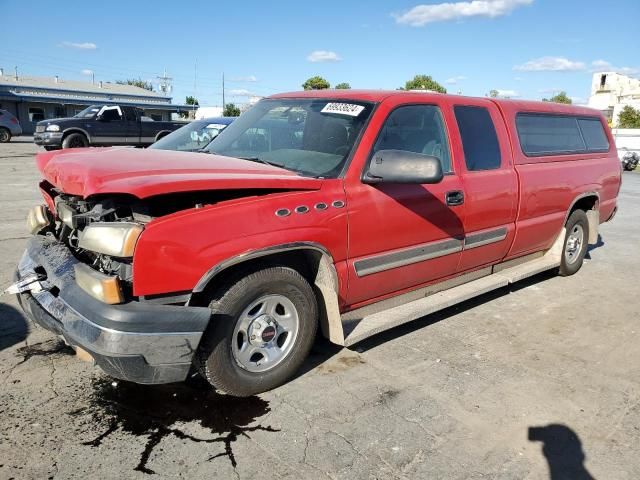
(399, 166)
(101, 118)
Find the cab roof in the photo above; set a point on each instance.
(380, 95)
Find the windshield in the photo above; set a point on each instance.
(310, 136)
(88, 112)
(194, 136)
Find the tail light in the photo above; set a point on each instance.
(14, 120)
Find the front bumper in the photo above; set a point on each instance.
(48, 139)
(135, 341)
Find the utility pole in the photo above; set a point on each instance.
(165, 85)
(223, 104)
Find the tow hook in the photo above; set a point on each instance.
(29, 283)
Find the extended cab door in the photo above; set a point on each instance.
(489, 181)
(403, 235)
(131, 117)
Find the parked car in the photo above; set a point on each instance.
(9, 126)
(103, 126)
(349, 211)
(194, 136)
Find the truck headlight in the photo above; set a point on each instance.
(37, 219)
(53, 128)
(115, 239)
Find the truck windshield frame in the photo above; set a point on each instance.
(310, 136)
(88, 112)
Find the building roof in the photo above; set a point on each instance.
(25, 83)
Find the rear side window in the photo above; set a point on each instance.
(547, 134)
(593, 133)
(479, 138)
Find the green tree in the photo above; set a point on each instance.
(136, 82)
(423, 82)
(189, 100)
(559, 98)
(316, 83)
(230, 110)
(342, 86)
(494, 93)
(629, 117)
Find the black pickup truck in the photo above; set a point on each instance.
(102, 126)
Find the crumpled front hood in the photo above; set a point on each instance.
(145, 173)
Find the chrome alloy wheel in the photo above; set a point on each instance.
(265, 333)
(574, 244)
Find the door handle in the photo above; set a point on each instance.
(455, 197)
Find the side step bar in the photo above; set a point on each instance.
(372, 319)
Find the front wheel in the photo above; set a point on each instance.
(575, 243)
(5, 135)
(75, 140)
(262, 328)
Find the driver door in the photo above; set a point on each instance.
(111, 128)
(405, 235)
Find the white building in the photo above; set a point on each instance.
(611, 92)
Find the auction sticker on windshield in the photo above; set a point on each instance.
(343, 109)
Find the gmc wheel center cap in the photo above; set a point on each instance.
(268, 333)
(262, 330)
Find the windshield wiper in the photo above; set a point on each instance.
(261, 160)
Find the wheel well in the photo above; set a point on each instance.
(162, 134)
(586, 203)
(315, 266)
(69, 132)
(589, 204)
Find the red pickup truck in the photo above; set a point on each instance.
(345, 211)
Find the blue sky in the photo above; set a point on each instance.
(525, 48)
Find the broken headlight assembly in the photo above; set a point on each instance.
(109, 238)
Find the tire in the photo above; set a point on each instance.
(576, 242)
(253, 309)
(49, 148)
(75, 140)
(5, 135)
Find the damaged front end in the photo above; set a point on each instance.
(75, 279)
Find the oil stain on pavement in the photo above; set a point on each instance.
(153, 411)
(49, 348)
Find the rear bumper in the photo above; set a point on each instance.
(48, 139)
(15, 129)
(134, 341)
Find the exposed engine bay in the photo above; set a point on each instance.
(73, 214)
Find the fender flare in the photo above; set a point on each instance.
(162, 133)
(69, 130)
(326, 281)
(592, 215)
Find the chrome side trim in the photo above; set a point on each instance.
(407, 256)
(485, 238)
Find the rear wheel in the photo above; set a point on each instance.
(5, 135)
(75, 140)
(262, 328)
(49, 148)
(575, 243)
